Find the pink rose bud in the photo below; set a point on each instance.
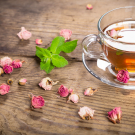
(17, 63)
(22, 81)
(74, 98)
(115, 115)
(47, 83)
(5, 61)
(63, 91)
(37, 101)
(66, 34)
(1, 71)
(8, 69)
(24, 34)
(123, 76)
(4, 89)
(39, 41)
(89, 6)
(86, 113)
(113, 33)
(89, 91)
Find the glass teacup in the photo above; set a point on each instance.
(120, 49)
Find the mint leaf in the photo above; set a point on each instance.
(59, 61)
(56, 45)
(47, 66)
(41, 52)
(119, 52)
(68, 47)
(43, 59)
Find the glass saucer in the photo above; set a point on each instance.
(106, 73)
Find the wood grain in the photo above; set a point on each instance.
(45, 19)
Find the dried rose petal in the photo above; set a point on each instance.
(66, 33)
(37, 101)
(123, 76)
(17, 63)
(8, 69)
(39, 41)
(70, 90)
(22, 81)
(74, 98)
(4, 89)
(89, 6)
(5, 61)
(24, 34)
(86, 113)
(63, 91)
(47, 83)
(113, 33)
(89, 91)
(115, 115)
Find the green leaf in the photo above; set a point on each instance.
(41, 52)
(119, 52)
(43, 59)
(68, 47)
(59, 61)
(56, 45)
(47, 66)
(48, 48)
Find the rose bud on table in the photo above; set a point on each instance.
(24, 34)
(4, 89)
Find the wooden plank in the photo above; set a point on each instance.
(57, 116)
(45, 19)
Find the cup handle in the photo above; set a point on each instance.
(91, 49)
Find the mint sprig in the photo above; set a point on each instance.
(50, 57)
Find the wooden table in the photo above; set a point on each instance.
(45, 19)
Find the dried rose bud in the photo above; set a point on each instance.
(47, 83)
(8, 69)
(22, 81)
(5, 61)
(123, 76)
(39, 41)
(24, 34)
(9, 81)
(89, 6)
(63, 91)
(66, 34)
(115, 115)
(4, 89)
(73, 97)
(113, 33)
(17, 63)
(89, 91)
(1, 71)
(86, 113)
(37, 101)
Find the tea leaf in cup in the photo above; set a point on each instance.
(119, 52)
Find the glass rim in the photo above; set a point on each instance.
(100, 30)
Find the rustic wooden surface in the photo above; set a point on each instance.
(45, 19)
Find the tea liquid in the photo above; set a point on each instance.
(122, 56)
